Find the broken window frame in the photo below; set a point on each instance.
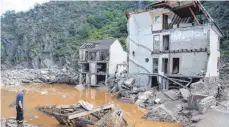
(156, 43)
(157, 19)
(155, 65)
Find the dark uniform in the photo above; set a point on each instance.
(19, 116)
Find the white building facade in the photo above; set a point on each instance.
(166, 43)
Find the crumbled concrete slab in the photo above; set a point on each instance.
(161, 97)
(171, 94)
(174, 107)
(129, 82)
(193, 100)
(207, 86)
(160, 114)
(184, 93)
(205, 103)
(215, 118)
(197, 118)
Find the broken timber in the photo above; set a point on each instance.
(75, 114)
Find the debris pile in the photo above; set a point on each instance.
(83, 114)
(11, 122)
(187, 106)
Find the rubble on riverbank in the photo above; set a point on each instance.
(187, 106)
(52, 75)
(11, 122)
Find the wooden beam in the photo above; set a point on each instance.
(172, 81)
(194, 15)
(74, 115)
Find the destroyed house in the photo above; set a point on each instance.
(99, 60)
(171, 44)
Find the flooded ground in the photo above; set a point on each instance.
(65, 94)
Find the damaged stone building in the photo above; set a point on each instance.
(172, 44)
(100, 59)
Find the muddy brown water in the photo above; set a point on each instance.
(45, 94)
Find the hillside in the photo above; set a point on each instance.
(50, 34)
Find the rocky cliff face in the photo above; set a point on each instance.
(50, 34)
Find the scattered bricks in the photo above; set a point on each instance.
(205, 103)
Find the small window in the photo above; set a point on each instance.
(147, 60)
(157, 19)
(133, 53)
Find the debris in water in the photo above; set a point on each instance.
(74, 115)
(44, 92)
(80, 87)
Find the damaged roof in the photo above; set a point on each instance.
(184, 9)
(98, 44)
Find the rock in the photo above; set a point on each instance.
(197, 118)
(26, 81)
(44, 92)
(205, 103)
(80, 87)
(160, 114)
(184, 93)
(3, 122)
(129, 82)
(130, 99)
(171, 94)
(142, 97)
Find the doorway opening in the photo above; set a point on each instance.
(154, 82)
(176, 65)
(165, 65)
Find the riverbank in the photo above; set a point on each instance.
(50, 75)
(46, 94)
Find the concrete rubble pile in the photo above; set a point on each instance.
(187, 106)
(11, 122)
(51, 75)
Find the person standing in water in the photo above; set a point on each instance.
(20, 107)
